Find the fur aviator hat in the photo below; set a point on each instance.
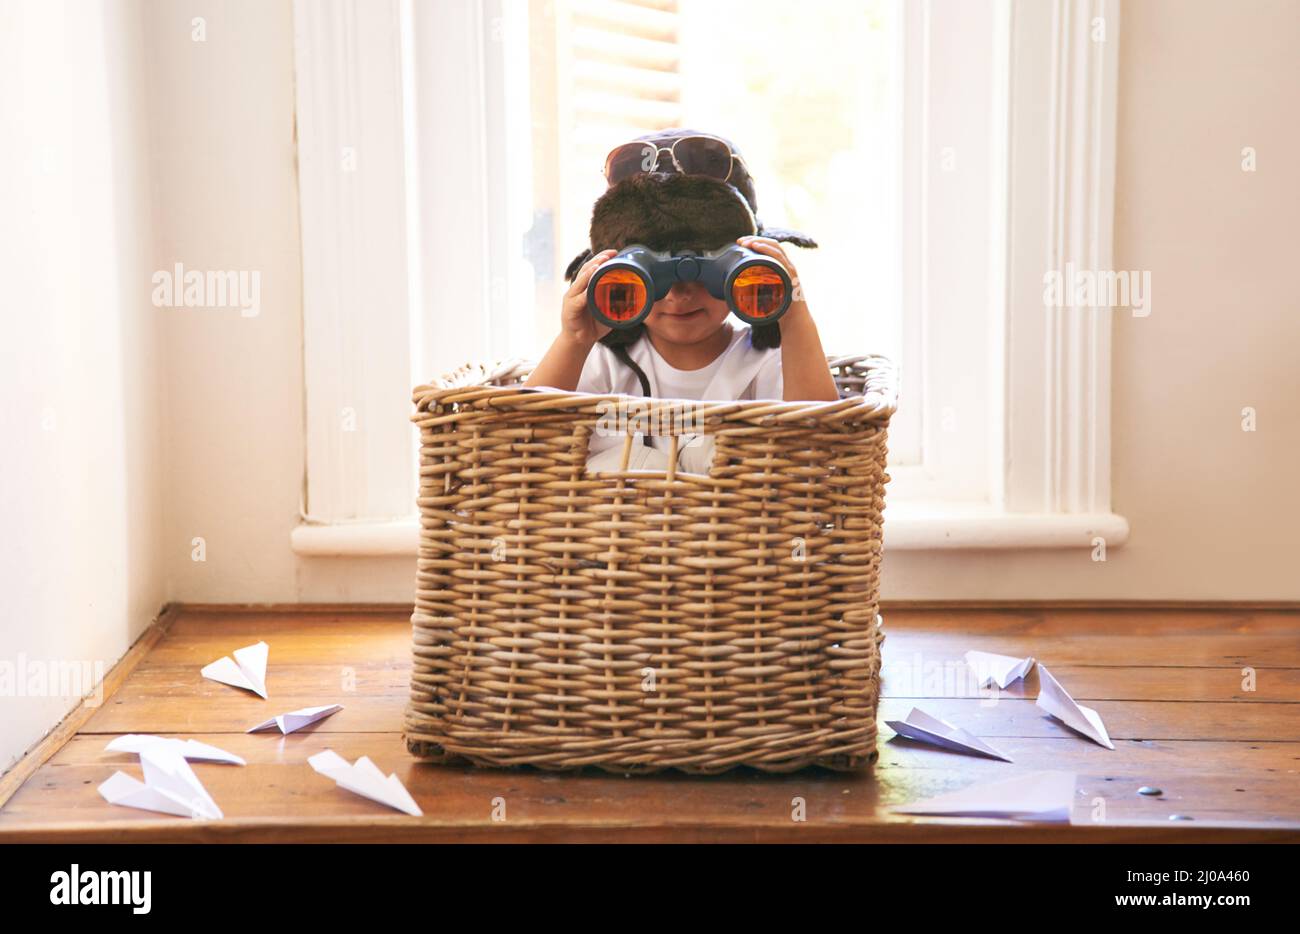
(666, 210)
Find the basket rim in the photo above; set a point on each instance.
(474, 384)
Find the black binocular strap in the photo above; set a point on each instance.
(620, 351)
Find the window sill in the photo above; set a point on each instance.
(914, 526)
(908, 527)
(397, 538)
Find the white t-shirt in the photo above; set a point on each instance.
(684, 384)
(741, 372)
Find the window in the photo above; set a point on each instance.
(945, 153)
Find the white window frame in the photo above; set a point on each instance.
(1035, 473)
(1051, 175)
(953, 239)
(353, 190)
(385, 246)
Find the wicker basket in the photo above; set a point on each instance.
(641, 621)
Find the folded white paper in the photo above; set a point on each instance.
(187, 748)
(924, 728)
(364, 778)
(998, 669)
(1054, 699)
(1034, 796)
(247, 670)
(170, 786)
(297, 719)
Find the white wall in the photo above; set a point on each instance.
(224, 176)
(80, 473)
(1212, 509)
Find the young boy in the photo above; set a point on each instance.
(687, 348)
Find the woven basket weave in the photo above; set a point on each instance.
(640, 621)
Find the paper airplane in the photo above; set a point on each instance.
(998, 669)
(247, 670)
(364, 778)
(920, 726)
(1054, 699)
(186, 748)
(169, 786)
(1034, 796)
(297, 719)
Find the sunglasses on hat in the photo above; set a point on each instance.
(691, 155)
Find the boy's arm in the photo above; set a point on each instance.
(805, 377)
(562, 365)
(804, 373)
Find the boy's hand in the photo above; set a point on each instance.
(769, 247)
(576, 322)
(805, 377)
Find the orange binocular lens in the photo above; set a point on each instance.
(758, 292)
(620, 295)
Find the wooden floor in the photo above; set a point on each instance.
(1168, 684)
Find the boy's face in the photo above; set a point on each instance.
(688, 314)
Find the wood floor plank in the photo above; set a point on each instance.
(1128, 621)
(1207, 642)
(233, 712)
(1124, 720)
(936, 676)
(1031, 752)
(131, 712)
(902, 676)
(1281, 650)
(373, 643)
(281, 680)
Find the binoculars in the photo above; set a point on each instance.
(625, 287)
